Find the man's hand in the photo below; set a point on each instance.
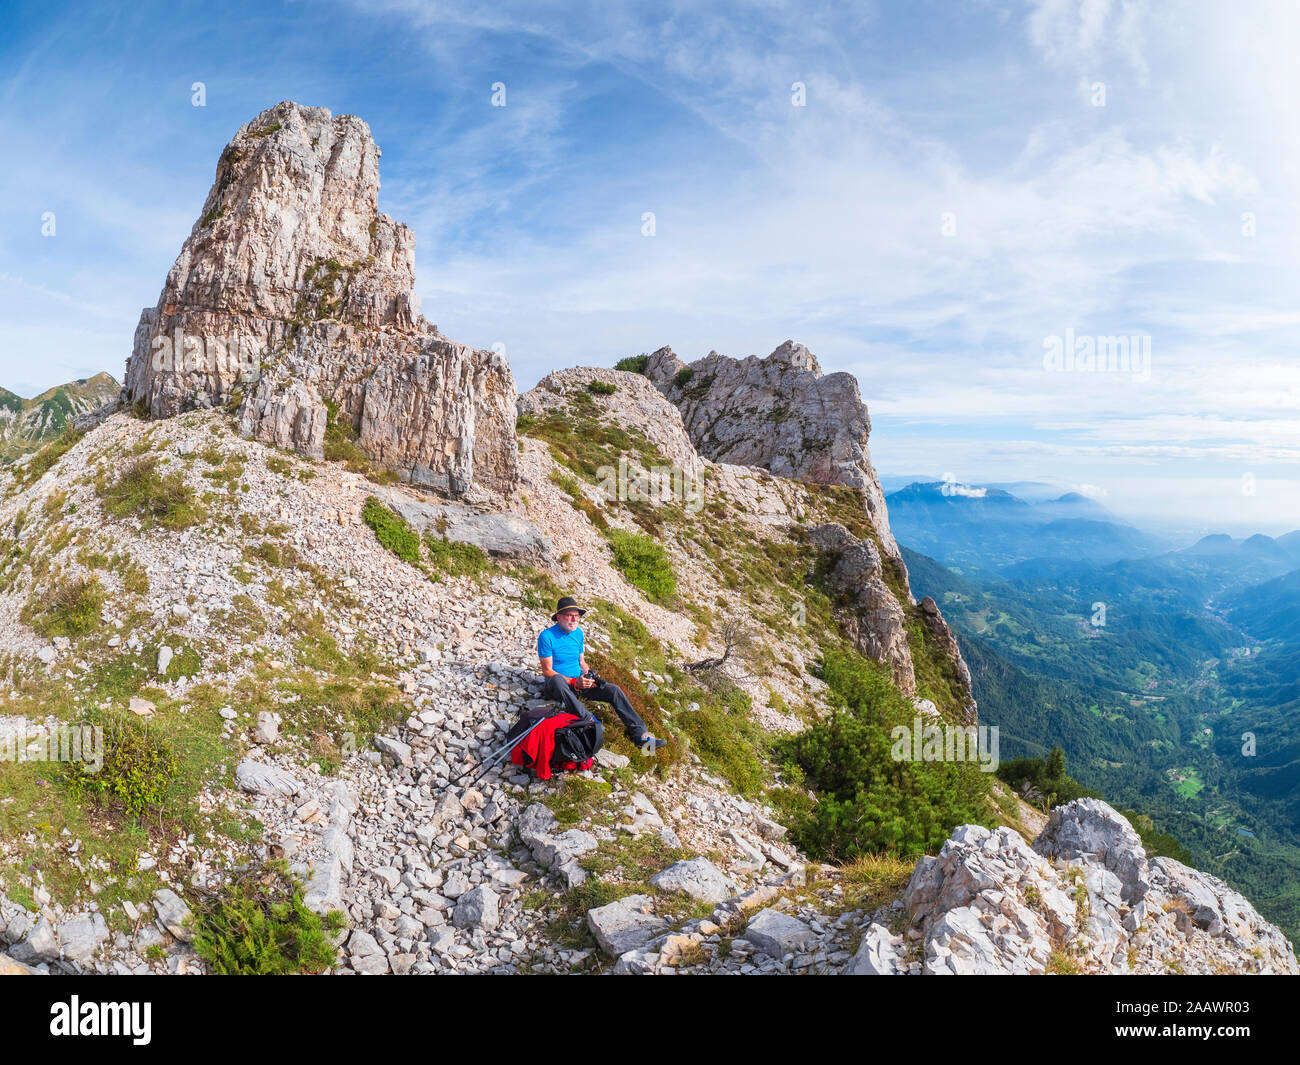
(581, 683)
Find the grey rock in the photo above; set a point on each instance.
(1090, 828)
(268, 729)
(324, 891)
(571, 875)
(362, 944)
(43, 941)
(697, 877)
(477, 908)
(535, 823)
(447, 811)
(610, 759)
(778, 934)
(80, 937)
(173, 914)
(556, 850)
(493, 532)
(618, 928)
(881, 953)
(395, 749)
(263, 779)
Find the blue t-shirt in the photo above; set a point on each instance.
(562, 648)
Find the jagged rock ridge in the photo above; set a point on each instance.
(293, 292)
(1084, 898)
(781, 413)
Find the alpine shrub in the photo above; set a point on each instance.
(644, 563)
(866, 800)
(258, 925)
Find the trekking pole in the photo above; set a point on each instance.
(482, 769)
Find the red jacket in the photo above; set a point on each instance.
(539, 745)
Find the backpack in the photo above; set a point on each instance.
(576, 743)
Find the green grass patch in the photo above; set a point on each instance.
(71, 607)
(392, 531)
(156, 498)
(137, 773)
(454, 558)
(725, 737)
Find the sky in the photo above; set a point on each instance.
(952, 201)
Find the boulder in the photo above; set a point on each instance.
(477, 908)
(173, 914)
(697, 877)
(1088, 828)
(777, 933)
(880, 953)
(620, 927)
(261, 779)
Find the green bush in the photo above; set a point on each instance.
(137, 772)
(866, 801)
(682, 377)
(455, 558)
(258, 925)
(1050, 777)
(644, 563)
(633, 363)
(725, 737)
(601, 388)
(392, 531)
(153, 497)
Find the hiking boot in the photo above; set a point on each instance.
(649, 745)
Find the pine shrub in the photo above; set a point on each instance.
(258, 925)
(866, 801)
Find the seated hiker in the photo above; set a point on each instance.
(568, 680)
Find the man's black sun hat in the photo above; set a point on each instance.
(567, 603)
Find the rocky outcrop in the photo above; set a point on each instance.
(1084, 898)
(872, 616)
(293, 297)
(934, 622)
(780, 413)
(634, 404)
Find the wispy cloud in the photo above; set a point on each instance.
(938, 206)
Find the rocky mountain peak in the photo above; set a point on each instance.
(295, 188)
(780, 413)
(292, 300)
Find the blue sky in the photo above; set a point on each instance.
(963, 182)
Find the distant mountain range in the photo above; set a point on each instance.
(987, 528)
(983, 527)
(26, 424)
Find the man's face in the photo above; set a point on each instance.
(568, 620)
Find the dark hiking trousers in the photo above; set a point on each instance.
(557, 688)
